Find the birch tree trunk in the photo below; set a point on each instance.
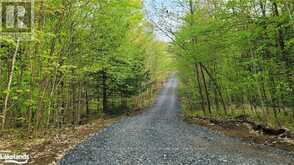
(5, 109)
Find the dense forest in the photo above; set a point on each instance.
(236, 59)
(147, 82)
(94, 57)
(87, 58)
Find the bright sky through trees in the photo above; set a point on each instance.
(162, 13)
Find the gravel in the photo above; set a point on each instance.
(160, 137)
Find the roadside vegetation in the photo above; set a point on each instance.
(235, 60)
(87, 59)
(92, 60)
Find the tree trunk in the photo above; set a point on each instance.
(200, 88)
(87, 104)
(206, 90)
(104, 92)
(5, 109)
(217, 87)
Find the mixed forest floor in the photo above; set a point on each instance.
(47, 149)
(160, 136)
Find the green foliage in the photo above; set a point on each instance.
(85, 57)
(244, 53)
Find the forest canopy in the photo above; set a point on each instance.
(86, 58)
(236, 59)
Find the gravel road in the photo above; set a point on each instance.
(159, 136)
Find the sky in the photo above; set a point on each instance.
(164, 14)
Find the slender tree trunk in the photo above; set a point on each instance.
(30, 111)
(104, 92)
(217, 87)
(274, 101)
(73, 104)
(87, 103)
(200, 88)
(79, 107)
(206, 90)
(5, 109)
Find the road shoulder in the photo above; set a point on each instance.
(248, 131)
